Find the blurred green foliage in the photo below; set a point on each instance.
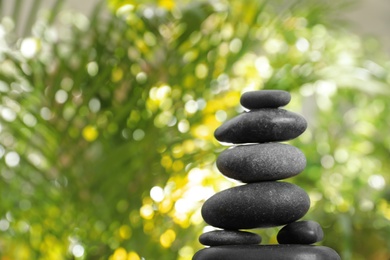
(107, 121)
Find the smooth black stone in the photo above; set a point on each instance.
(262, 126)
(229, 237)
(256, 205)
(261, 162)
(301, 232)
(265, 99)
(267, 252)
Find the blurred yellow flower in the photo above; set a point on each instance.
(133, 256)
(125, 232)
(90, 133)
(116, 75)
(167, 4)
(119, 254)
(167, 238)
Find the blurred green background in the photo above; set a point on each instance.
(107, 120)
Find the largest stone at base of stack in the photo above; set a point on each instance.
(267, 252)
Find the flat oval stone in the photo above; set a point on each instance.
(302, 232)
(229, 237)
(261, 162)
(267, 252)
(256, 205)
(262, 126)
(265, 99)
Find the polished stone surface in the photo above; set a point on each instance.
(261, 126)
(301, 232)
(267, 252)
(265, 99)
(229, 237)
(261, 162)
(255, 205)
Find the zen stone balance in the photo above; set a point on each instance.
(260, 161)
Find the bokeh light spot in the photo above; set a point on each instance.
(366, 205)
(157, 194)
(202, 131)
(191, 106)
(201, 71)
(4, 225)
(263, 67)
(183, 126)
(8, 114)
(220, 115)
(177, 166)
(166, 162)
(336, 179)
(377, 182)
(138, 134)
(67, 83)
(12, 159)
(150, 39)
(78, 250)
(46, 113)
(141, 77)
(182, 206)
(186, 252)
(124, 10)
(94, 105)
(273, 45)
(341, 155)
(235, 45)
(29, 120)
(92, 68)
(3, 87)
(327, 161)
(29, 47)
(302, 45)
(61, 96)
(147, 211)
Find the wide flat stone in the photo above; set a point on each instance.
(256, 205)
(301, 232)
(261, 162)
(229, 237)
(261, 126)
(267, 252)
(265, 99)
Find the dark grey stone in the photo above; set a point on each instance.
(262, 126)
(229, 237)
(256, 205)
(261, 162)
(265, 99)
(267, 252)
(301, 232)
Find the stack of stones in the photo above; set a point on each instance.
(263, 201)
